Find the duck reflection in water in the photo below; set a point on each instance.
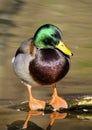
(55, 116)
(43, 60)
(28, 125)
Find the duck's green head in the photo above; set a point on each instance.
(49, 36)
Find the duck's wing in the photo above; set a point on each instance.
(23, 56)
(25, 47)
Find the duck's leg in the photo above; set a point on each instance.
(34, 104)
(57, 102)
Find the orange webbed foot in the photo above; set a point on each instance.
(57, 102)
(35, 104)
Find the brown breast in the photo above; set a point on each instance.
(49, 66)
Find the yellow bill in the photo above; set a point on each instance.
(61, 46)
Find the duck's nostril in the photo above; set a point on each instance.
(71, 54)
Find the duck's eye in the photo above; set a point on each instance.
(47, 41)
(54, 35)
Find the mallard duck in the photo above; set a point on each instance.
(43, 60)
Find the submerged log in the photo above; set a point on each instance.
(80, 103)
(83, 102)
